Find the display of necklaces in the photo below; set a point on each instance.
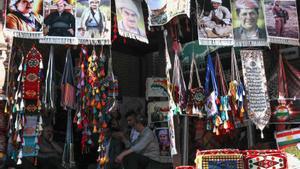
(26, 120)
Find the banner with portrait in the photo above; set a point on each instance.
(93, 22)
(214, 22)
(24, 18)
(248, 23)
(282, 21)
(130, 19)
(59, 22)
(162, 11)
(255, 82)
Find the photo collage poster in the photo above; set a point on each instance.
(214, 20)
(282, 21)
(61, 21)
(130, 19)
(162, 11)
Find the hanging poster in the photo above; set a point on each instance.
(289, 141)
(59, 22)
(158, 113)
(164, 141)
(93, 22)
(282, 21)
(156, 87)
(214, 23)
(131, 20)
(248, 23)
(24, 18)
(162, 11)
(256, 87)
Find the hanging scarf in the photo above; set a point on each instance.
(255, 82)
(68, 103)
(138, 32)
(283, 26)
(49, 100)
(212, 98)
(215, 28)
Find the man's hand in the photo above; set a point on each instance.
(119, 158)
(119, 135)
(71, 31)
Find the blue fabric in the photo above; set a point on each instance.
(226, 164)
(210, 74)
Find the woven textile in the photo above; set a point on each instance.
(265, 159)
(219, 159)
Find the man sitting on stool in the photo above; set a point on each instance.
(144, 151)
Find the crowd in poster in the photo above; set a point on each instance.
(25, 18)
(214, 23)
(162, 11)
(131, 20)
(248, 23)
(256, 90)
(282, 21)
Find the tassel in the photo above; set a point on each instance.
(35, 161)
(19, 162)
(261, 134)
(41, 64)
(18, 138)
(22, 105)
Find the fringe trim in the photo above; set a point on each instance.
(216, 41)
(24, 34)
(96, 41)
(284, 41)
(247, 43)
(133, 36)
(59, 40)
(186, 10)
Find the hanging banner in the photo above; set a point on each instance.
(93, 22)
(59, 22)
(256, 87)
(215, 23)
(289, 141)
(248, 23)
(130, 19)
(282, 21)
(162, 11)
(24, 18)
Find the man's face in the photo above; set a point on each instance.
(163, 138)
(94, 4)
(248, 18)
(131, 121)
(130, 18)
(25, 6)
(60, 7)
(215, 5)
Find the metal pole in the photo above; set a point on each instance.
(250, 134)
(185, 140)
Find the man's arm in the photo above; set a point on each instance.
(143, 141)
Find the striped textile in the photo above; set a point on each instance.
(287, 138)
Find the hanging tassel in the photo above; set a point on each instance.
(19, 161)
(22, 105)
(41, 65)
(261, 134)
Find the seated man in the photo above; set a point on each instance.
(144, 151)
(61, 22)
(218, 21)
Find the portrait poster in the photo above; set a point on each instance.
(255, 82)
(163, 137)
(93, 22)
(248, 23)
(282, 21)
(214, 22)
(59, 22)
(131, 20)
(162, 11)
(158, 113)
(24, 22)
